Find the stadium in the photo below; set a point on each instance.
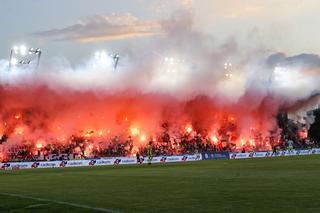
(175, 106)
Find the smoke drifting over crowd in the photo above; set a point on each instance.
(181, 82)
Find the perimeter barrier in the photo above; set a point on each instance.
(158, 159)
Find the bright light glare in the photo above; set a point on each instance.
(281, 74)
(227, 66)
(16, 49)
(39, 145)
(143, 138)
(14, 61)
(102, 55)
(23, 50)
(188, 129)
(31, 51)
(214, 139)
(97, 55)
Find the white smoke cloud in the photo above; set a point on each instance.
(183, 63)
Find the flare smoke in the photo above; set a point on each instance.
(181, 78)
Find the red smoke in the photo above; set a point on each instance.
(40, 116)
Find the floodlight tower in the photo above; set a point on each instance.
(24, 56)
(227, 68)
(116, 58)
(173, 65)
(37, 52)
(103, 57)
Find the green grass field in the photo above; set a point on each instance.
(286, 184)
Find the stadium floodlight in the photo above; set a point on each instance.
(103, 55)
(18, 56)
(34, 51)
(100, 55)
(23, 50)
(172, 65)
(15, 49)
(227, 68)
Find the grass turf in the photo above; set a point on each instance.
(285, 184)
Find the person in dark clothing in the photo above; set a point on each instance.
(138, 158)
(274, 151)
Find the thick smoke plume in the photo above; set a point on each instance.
(183, 80)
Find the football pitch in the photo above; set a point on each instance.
(284, 184)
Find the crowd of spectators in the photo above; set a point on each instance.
(165, 144)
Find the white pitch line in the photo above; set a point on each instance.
(36, 205)
(61, 202)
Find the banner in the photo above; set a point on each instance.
(271, 154)
(240, 155)
(98, 162)
(215, 155)
(315, 151)
(158, 159)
